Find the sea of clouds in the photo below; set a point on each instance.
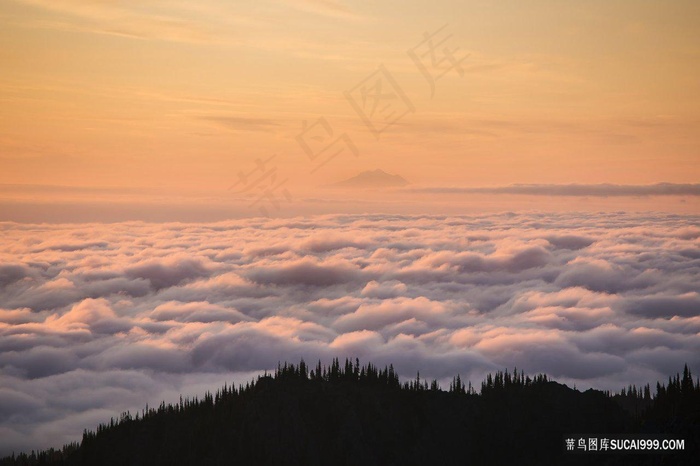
(99, 318)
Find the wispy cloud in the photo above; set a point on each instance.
(237, 123)
(127, 19)
(205, 22)
(602, 190)
(328, 8)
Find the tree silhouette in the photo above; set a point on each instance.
(361, 414)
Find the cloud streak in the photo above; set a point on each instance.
(602, 190)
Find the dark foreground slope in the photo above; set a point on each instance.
(355, 415)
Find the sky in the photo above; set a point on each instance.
(182, 98)
(168, 220)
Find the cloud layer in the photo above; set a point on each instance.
(603, 190)
(99, 318)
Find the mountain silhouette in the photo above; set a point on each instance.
(372, 179)
(362, 415)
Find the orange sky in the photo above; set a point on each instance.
(184, 95)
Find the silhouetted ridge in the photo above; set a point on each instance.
(360, 414)
(372, 179)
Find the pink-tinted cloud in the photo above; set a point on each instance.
(113, 316)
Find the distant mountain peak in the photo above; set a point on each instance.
(373, 179)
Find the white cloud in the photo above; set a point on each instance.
(98, 318)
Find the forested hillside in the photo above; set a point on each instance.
(350, 414)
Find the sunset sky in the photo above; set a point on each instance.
(551, 220)
(183, 96)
